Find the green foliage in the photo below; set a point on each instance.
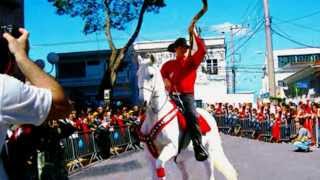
(93, 13)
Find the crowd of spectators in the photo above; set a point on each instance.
(276, 114)
(103, 120)
(78, 125)
(92, 118)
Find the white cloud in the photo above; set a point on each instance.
(238, 29)
(225, 27)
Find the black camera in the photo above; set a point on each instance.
(11, 29)
(6, 58)
(6, 28)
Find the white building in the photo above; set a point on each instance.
(212, 78)
(287, 63)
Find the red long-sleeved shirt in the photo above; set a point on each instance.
(182, 72)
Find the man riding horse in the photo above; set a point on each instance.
(179, 76)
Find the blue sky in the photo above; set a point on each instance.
(296, 19)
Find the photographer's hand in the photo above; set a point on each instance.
(18, 46)
(60, 104)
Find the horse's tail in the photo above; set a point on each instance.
(220, 160)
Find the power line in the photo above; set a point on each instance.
(292, 40)
(248, 12)
(244, 23)
(240, 67)
(245, 36)
(302, 17)
(72, 42)
(283, 32)
(298, 25)
(246, 41)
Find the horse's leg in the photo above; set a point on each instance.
(215, 149)
(151, 164)
(218, 158)
(154, 169)
(209, 164)
(181, 165)
(166, 154)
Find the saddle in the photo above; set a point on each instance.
(184, 137)
(203, 125)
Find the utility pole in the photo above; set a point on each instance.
(269, 54)
(232, 62)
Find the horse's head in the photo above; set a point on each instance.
(150, 81)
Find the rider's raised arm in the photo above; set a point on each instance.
(200, 50)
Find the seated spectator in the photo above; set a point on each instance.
(302, 140)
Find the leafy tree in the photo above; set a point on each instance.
(104, 15)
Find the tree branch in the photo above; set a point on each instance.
(108, 27)
(139, 24)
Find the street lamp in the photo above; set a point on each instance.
(53, 59)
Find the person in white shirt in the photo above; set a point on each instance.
(20, 103)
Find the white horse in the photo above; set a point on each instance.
(160, 131)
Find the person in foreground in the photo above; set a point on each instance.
(42, 99)
(179, 76)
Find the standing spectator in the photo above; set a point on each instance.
(22, 103)
(308, 124)
(275, 131)
(85, 130)
(242, 112)
(261, 114)
(100, 112)
(230, 116)
(54, 167)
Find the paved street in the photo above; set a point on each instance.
(254, 160)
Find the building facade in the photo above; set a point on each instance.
(80, 73)
(295, 71)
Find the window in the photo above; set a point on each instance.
(72, 70)
(211, 66)
(282, 84)
(93, 63)
(297, 59)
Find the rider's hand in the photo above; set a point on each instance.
(167, 84)
(18, 46)
(191, 27)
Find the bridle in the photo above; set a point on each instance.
(154, 95)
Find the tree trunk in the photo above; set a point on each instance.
(117, 55)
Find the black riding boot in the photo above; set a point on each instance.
(200, 152)
(186, 102)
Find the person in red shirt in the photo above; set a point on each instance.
(179, 76)
(260, 115)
